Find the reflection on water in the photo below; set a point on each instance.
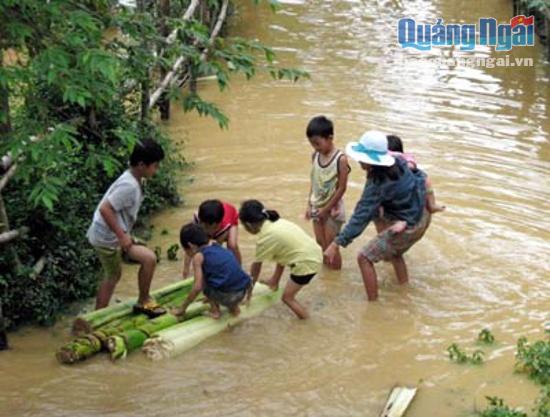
(482, 134)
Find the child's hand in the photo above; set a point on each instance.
(179, 312)
(271, 283)
(125, 242)
(398, 227)
(331, 252)
(307, 214)
(322, 215)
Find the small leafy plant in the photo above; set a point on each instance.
(459, 356)
(486, 337)
(172, 252)
(158, 253)
(497, 408)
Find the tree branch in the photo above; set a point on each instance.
(12, 234)
(168, 79)
(4, 180)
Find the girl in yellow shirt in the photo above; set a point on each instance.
(286, 244)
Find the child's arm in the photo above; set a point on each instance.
(186, 266)
(198, 285)
(109, 215)
(255, 270)
(232, 242)
(307, 215)
(343, 172)
(273, 282)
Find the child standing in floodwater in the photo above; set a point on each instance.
(286, 244)
(329, 177)
(401, 193)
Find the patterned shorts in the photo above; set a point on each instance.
(387, 244)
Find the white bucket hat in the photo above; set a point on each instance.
(372, 149)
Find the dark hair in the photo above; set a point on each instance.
(320, 126)
(193, 233)
(211, 211)
(380, 174)
(147, 151)
(252, 211)
(394, 143)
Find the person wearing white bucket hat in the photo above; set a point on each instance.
(372, 149)
(401, 193)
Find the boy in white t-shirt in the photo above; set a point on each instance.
(113, 220)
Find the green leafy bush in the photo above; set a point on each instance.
(534, 359)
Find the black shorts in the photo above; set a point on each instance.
(302, 279)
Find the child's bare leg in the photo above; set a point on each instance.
(319, 231)
(369, 277)
(289, 294)
(331, 229)
(431, 205)
(105, 292)
(148, 261)
(400, 269)
(214, 312)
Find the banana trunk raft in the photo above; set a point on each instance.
(183, 336)
(119, 331)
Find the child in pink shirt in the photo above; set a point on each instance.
(395, 146)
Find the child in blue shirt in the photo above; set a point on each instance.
(217, 273)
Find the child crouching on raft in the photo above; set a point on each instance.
(392, 186)
(286, 244)
(217, 273)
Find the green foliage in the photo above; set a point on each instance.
(497, 408)
(486, 337)
(158, 253)
(542, 407)
(534, 359)
(172, 252)
(73, 84)
(458, 356)
(537, 4)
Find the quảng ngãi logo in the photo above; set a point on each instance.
(519, 32)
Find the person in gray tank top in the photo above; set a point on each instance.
(112, 224)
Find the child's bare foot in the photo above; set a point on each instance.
(436, 209)
(271, 284)
(215, 312)
(398, 226)
(235, 311)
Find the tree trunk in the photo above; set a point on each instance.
(164, 101)
(141, 7)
